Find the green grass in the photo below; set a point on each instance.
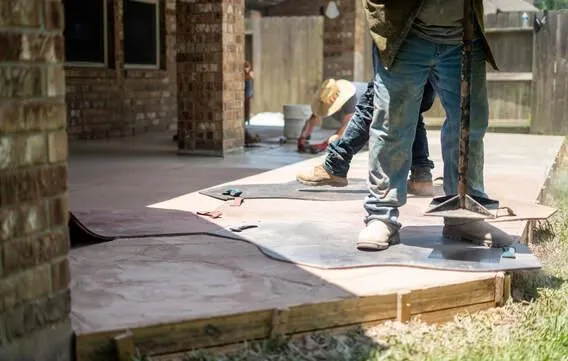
(532, 326)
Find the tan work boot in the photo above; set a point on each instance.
(477, 232)
(318, 176)
(377, 236)
(420, 182)
(420, 188)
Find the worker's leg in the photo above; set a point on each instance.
(420, 181)
(334, 170)
(420, 150)
(354, 138)
(446, 81)
(397, 99)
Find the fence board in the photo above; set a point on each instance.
(550, 96)
(291, 62)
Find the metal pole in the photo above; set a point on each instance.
(468, 21)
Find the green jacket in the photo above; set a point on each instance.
(390, 21)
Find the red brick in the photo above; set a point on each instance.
(25, 287)
(32, 251)
(21, 82)
(59, 211)
(60, 275)
(53, 15)
(25, 13)
(30, 317)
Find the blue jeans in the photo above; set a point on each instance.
(356, 135)
(397, 98)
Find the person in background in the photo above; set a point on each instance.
(355, 115)
(249, 93)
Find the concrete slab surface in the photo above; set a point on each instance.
(132, 282)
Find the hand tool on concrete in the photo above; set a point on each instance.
(464, 205)
(233, 192)
(509, 252)
(243, 227)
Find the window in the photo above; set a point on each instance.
(142, 33)
(86, 32)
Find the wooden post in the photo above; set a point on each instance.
(507, 288)
(279, 322)
(403, 307)
(125, 350)
(499, 289)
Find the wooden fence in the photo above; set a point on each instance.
(528, 93)
(550, 77)
(288, 57)
(509, 90)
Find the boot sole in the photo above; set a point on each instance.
(374, 247)
(323, 183)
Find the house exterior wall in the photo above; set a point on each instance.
(115, 101)
(210, 76)
(34, 270)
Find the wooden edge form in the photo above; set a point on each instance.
(448, 296)
(125, 350)
(449, 314)
(279, 322)
(499, 291)
(403, 306)
(435, 303)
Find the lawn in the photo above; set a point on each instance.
(532, 326)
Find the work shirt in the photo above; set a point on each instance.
(350, 105)
(440, 21)
(391, 21)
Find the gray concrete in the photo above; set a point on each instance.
(134, 172)
(134, 282)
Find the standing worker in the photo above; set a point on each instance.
(418, 41)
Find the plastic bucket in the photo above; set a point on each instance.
(295, 115)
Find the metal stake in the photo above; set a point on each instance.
(464, 205)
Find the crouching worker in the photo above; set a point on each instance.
(336, 99)
(355, 135)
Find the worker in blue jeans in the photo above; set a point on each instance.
(420, 41)
(334, 170)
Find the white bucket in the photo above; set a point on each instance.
(295, 115)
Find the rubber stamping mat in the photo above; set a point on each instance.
(356, 190)
(331, 245)
(103, 225)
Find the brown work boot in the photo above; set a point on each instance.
(477, 232)
(318, 176)
(420, 182)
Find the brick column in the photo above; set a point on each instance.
(210, 57)
(34, 271)
(344, 42)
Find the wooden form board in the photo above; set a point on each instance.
(432, 304)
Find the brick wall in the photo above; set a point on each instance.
(210, 57)
(295, 8)
(111, 102)
(34, 271)
(344, 42)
